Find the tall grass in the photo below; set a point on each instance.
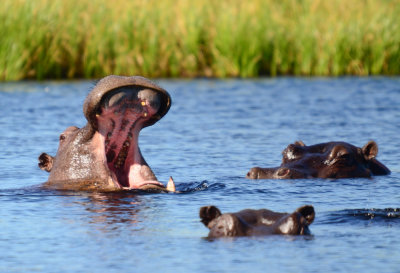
(180, 38)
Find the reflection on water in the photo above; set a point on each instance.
(113, 209)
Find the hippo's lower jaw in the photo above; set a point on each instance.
(120, 117)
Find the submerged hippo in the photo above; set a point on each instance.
(325, 160)
(104, 155)
(251, 222)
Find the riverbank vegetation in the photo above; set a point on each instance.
(178, 38)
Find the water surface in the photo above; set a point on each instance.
(215, 131)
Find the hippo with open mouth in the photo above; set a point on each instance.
(104, 155)
(324, 160)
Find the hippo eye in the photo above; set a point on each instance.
(62, 137)
(347, 158)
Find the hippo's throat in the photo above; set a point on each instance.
(120, 117)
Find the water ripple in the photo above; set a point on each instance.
(361, 215)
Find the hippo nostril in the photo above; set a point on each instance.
(283, 172)
(254, 173)
(250, 175)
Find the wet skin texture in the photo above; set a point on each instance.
(104, 155)
(251, 222)
(325, 160)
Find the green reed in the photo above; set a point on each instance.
(179, 38)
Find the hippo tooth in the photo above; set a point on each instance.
(118, 163)
(145, 114)
(143, 103)
(171, 185)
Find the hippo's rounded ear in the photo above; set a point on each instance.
(299, 143)
(308, 213)
(209, 213)
(45, 162)
(370, 150)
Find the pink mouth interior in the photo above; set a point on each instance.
(120, 119)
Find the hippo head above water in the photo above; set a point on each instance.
(251, 222)
(104, 155)
(325, 160)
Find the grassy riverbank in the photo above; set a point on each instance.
(179, 38)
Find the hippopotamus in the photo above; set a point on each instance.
(250, 222)
(324, 160)
(104, 155)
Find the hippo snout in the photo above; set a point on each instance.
(261, 173)
(254, 173)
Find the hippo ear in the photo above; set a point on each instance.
(209, 213)
(45, 162)
(299, 143)
(370, 150)
(308, 213)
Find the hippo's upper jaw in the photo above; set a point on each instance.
(105, 153)
(121, 115)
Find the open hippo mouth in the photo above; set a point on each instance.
(104, 154)
(119, 116)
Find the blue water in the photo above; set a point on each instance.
(215, 131)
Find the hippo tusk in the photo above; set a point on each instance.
(171, 185)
